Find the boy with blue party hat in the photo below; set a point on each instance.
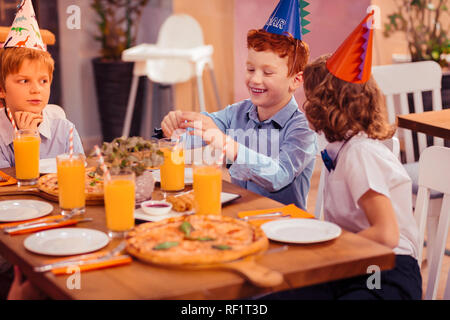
(266, 139)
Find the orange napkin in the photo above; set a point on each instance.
(291, 210)
(58, 225)
(8, 179)
(45, 219)
(114, 261)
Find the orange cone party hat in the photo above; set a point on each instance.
(25, 30)
(352, 61)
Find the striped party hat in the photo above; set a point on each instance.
(288, 18)
(352, 61)
(25, 30)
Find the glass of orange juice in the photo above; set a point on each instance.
(26, 153)
(207, 188)
(71, 183)
(172, 170)
(120, 202)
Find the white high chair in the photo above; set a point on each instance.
(178, 56)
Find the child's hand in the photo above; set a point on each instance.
(171, 124)
(23, 290)
(28, 120)
(204, 127)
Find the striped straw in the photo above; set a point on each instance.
(102, 162)
(224, 151)
(11, 118)
(71, 142)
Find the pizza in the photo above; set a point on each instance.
(195, 240)
(94, 184)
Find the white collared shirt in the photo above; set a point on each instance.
(364, 164)
(54, 132)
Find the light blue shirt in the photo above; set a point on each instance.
(54, 133)
(275, 157)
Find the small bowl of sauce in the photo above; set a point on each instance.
(156, 208)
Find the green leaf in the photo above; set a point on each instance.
(186, 228)
(165, 245)
(221, 247)
(199, 238)
(92, 184)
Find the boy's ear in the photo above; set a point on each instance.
(2, 93)
(297, 80)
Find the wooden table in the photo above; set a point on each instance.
(433, 123)
(301, 265)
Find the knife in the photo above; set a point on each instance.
(41, 220)
(265, 216)
(46, 225)
(84, 258)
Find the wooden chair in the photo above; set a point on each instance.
(399, 80)
(392, 144)
(434, 173)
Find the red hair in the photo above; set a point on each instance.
(297, 51)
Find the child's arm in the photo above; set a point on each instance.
(381, 216)
(295, 151)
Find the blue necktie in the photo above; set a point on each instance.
(327, 161)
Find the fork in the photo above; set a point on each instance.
(86, 257)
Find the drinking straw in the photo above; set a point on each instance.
(102, 162)
(71, 142)
(224, 151)
(11, 118)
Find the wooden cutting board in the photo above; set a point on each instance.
(256, 273)
(14, 190)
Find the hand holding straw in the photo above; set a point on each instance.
(102, 163)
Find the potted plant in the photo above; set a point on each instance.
(139, 155)
(117, 26)
(426, 27)
(423, 24)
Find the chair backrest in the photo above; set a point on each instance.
(401, 79)
(393, 144)
(179, 31)
(434, 173)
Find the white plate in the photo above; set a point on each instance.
(188, 175)
(301, 230)
(141, 215)
(47, 165)
(19, 210)
(66, 241)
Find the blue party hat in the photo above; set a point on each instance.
(288, 18)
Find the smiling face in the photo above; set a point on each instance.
(267, 80)
(28, 89)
